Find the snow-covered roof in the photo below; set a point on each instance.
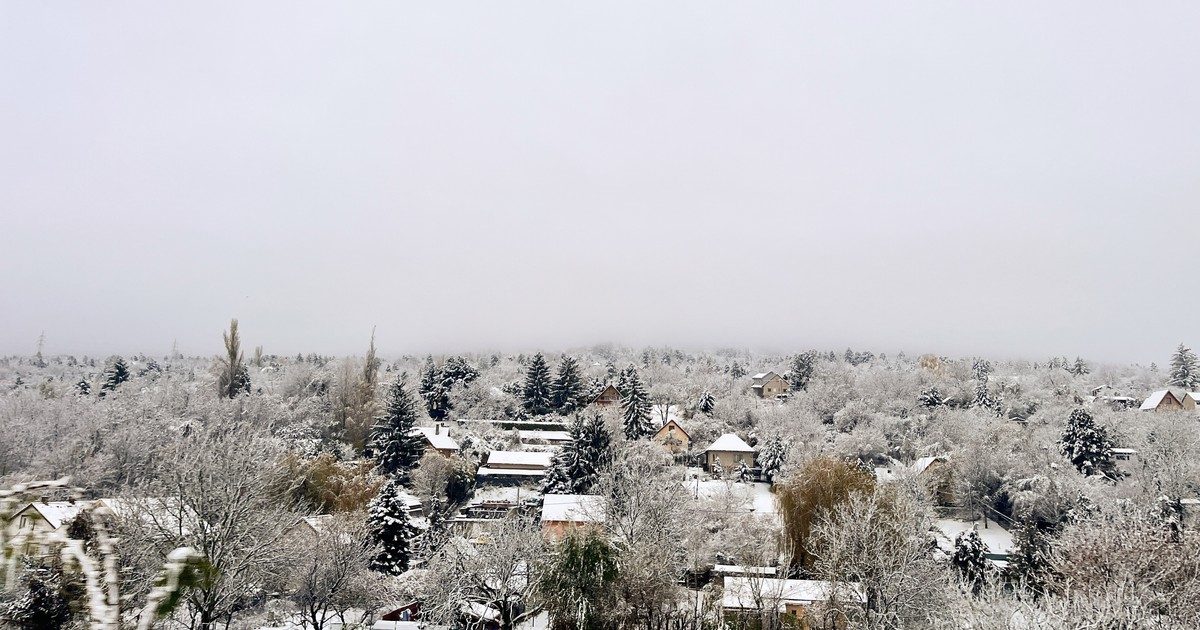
(164, 512)
(672, 422)
(438, 438)
(511, 495)
(745, 593)
(544, 436)
(730, 443)
(761, 378)
(485, 471)
(754, 497)
(319, 522)
(1124, 451)
(737, 569)
(57, 513)
(396, 625)
(1155, 400)
(923, 463)
(574, 508)
(501, 459)
(1195, 396)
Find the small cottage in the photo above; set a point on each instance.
(768, 385)
(437, 438)
(563, 512)
(728, 452)
(608, 397)
(937, 475)
(673, 438)
(1167, 400)
(799, 602)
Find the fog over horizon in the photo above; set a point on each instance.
(1016, 180)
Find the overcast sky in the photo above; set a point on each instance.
(1009, 179)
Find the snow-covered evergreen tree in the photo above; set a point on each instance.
(1029, 562)
(115, 373)
(391, 530)
(457, 371)
(931, 397)
(635, 405)
(802, 370)
(575, 468)
(83, 387)
(1087, 445)
(1185, 370)
(970, 559)
(397, 449)
(1080, 367)
(535, 392)
(736, 370)
(772, 455)
(434, 390)
(983, 397)
(42, 606)
(567, 389)
(706, 403)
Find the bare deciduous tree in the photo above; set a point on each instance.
(497, 574)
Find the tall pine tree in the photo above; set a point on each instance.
(397, 449)
(1087, 445)
(535, 393)
(635, 405)
(567, 389)
(1185, 370)
(390, 530)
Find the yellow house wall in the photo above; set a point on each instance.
(728, 459)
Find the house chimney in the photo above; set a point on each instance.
(437, 428)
